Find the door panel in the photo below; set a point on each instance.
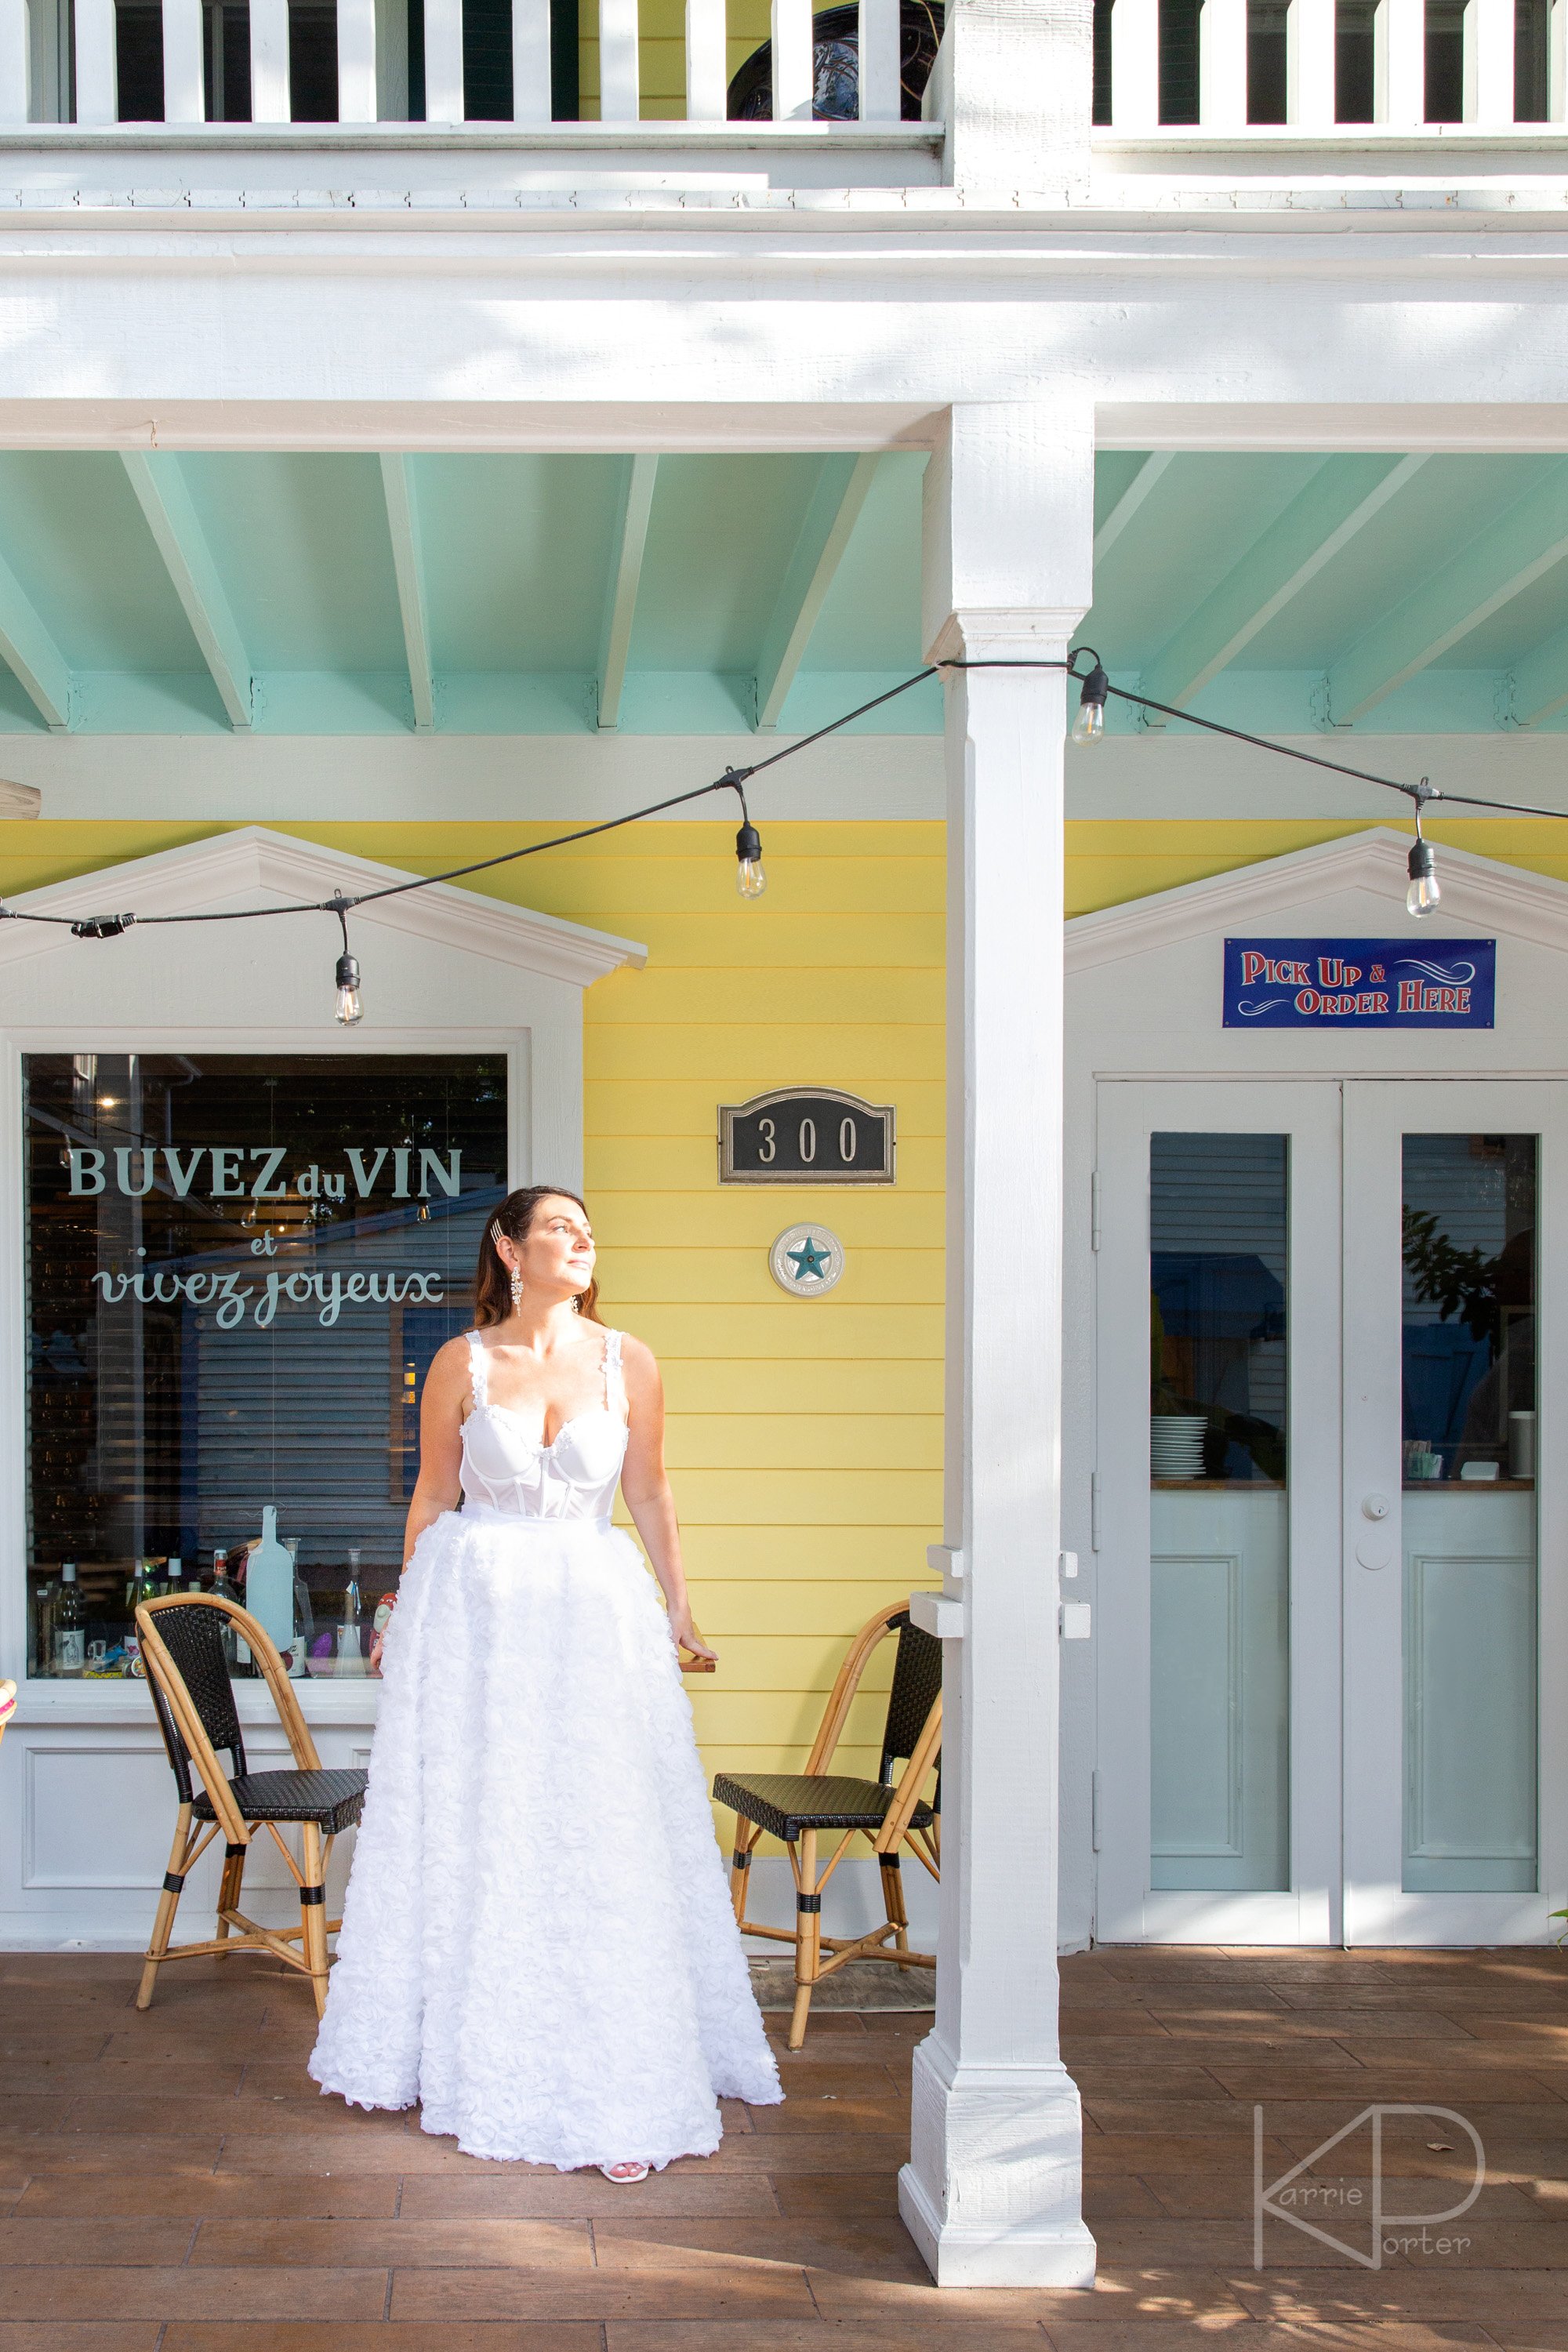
(1455, 1204)
(1218, 1361)
(1219, 1696)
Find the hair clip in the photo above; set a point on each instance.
(496, 1232)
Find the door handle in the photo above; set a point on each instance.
(1375, 1507)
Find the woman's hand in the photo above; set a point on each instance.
(685, 1637)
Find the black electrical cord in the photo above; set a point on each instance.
(734, 780)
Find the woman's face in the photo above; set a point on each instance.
(556, 1254)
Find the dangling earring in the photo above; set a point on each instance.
(497, 1237)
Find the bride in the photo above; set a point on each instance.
(537, 1943)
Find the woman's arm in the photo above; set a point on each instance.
(439, 1482)
(647, 1489)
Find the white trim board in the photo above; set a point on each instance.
(403, 778)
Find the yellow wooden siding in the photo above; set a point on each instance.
(805, 1439)
(661, 53)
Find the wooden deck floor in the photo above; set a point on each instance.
(173, 2183)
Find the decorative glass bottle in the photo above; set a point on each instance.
(70, 1624)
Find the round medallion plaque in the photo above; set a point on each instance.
(806, 1261)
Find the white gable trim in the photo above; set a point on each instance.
(257, 862)
(1479, 894)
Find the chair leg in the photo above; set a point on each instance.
(168, 1904)
(893, 1896)
(229, 1885)
(313, 1915)
(808, 1936)
(740, 1871)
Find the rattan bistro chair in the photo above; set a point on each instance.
(889, 1810)
(181, 1647)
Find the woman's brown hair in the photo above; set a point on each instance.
(492, 1283)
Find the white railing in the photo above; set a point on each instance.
(707, 62)
(1398, 77)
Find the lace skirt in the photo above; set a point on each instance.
(537, 1945)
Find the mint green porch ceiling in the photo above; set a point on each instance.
(349, 594)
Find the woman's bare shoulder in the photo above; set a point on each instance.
(449, 1364)
(637, 1358)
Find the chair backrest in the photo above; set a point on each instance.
(916, 1687)
(187, 1673)
(191, 1632)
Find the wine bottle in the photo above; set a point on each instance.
(70, 1624)
(44, 1604)
(235, 1649)
(304, 1615)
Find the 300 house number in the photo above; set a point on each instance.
(805, 1142)
(806, 1134)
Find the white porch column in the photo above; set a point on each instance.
(991, 2193)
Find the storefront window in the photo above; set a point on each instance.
(238, 1272)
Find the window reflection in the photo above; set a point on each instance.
(1217, 1312)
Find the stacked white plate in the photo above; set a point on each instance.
(1176, 1445)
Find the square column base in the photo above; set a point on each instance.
(992, 2194)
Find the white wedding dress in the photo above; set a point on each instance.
(537, 1943)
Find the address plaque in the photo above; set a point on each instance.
(807, 1135)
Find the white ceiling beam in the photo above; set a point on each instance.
(1128, 504)
(1526, 539)
(842, 484)
(408, 564)
(30, 651)
(1340, 500)
(621, 603)
(165, 499)
(1538, 686)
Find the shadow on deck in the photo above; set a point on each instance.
(173, 2182)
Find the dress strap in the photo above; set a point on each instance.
(614, 1380)
(479, 1370)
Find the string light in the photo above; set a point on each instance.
(1424, 894)
(750, 879)
(1089, 724)
(350, 1006)
(1089, 727)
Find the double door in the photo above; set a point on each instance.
(1330, 1404)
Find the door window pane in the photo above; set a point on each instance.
(1219, 1702)
(1469, 1519)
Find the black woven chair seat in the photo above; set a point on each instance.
(785, 1803)
(332, 1799)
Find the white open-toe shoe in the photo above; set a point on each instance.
(624, 2173)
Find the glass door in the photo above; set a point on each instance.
(1218, 1472)
(1455, 1204)
(1332, 1626)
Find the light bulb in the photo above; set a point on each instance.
(1424, 894)
(750, 879)
(1089, 724)
(350, 1008)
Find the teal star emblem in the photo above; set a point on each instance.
(811, 1261)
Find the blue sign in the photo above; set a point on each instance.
(1360, 984)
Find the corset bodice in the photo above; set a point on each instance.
(572, 1478)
